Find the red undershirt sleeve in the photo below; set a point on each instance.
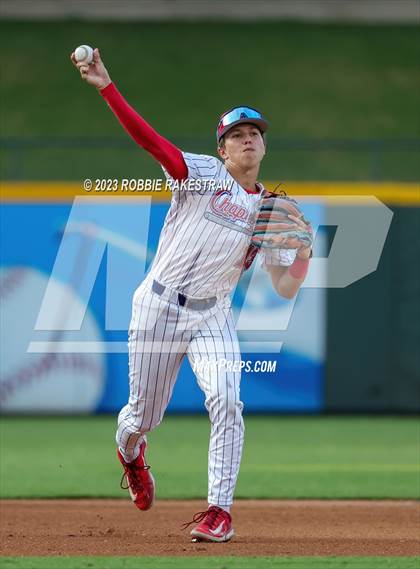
(166, 153)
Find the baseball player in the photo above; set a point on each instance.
(183, 307)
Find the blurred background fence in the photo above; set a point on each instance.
(74, 158)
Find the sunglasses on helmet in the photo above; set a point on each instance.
(239, 115)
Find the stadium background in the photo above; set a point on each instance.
(342, 99)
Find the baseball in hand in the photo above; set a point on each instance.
(83, 53)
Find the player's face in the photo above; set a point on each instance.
(244, 146)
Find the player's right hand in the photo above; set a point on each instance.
(95, 73)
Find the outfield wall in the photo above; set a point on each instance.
(373, 340)
(95, 253)
(351, 348)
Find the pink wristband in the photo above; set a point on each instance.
(299, 268)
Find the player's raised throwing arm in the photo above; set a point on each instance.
(145, 136)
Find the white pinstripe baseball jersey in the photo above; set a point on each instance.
(206, 233)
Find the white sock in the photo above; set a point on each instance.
(131, 458)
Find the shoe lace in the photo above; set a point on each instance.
(211, 513)
(132, 469)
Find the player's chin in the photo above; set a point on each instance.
(250, 159)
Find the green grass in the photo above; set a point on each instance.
(319, 81)
(210, 562)
(293, 71)
(284, 457)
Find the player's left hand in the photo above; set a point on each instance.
(281, 225)
(303, 252)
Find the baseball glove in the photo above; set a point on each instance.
(280, 224)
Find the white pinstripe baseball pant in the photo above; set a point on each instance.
(161, 334)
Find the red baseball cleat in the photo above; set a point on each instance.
(214, 525)
(140, 482)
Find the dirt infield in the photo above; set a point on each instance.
(115, 527)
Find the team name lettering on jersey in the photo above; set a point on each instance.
(221, 204)
(224, 211)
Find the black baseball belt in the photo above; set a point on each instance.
(182, 300)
